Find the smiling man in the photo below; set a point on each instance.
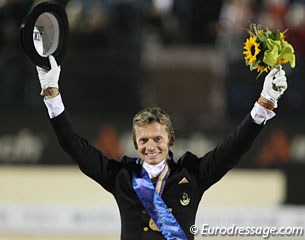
(153, 134)
(158, 196)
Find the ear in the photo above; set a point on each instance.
(171, 139)
(135, 143)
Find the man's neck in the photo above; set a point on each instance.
(154, 170)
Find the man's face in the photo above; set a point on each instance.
(153, 142)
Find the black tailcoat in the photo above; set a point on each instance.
(115, 176)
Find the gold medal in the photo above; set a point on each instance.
(153, 225)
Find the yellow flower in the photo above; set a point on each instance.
(261, 69)
(252, 49)
(265, 49)
(282, 61)
(282, 37)
(260, 32)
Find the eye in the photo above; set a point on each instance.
(143, 141)
(157, 139)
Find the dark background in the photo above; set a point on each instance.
(184, 56)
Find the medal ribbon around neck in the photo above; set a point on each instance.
(162, 179)
(154, 204)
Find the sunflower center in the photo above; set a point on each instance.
(253, 50)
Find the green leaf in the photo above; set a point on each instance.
(262, 38)
(288, 53)
(271, 55)
(276, 35)
(272, 43)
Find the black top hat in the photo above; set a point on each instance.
(44, 32)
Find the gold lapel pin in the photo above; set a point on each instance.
(185, 199)
(183, 181)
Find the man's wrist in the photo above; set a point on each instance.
(50, 92)
(261, 115)
(266, 103)
(54, 105)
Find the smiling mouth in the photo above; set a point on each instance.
(152, 155)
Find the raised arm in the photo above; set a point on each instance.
(90, 160)
(228, 153)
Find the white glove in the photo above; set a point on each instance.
(49, 78)
(275, 85)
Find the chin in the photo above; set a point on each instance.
(153, 161)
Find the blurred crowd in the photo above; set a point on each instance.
(231, 32)
(127, 24)
(235, 16)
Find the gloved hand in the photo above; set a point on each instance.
(275, 85)
(49, 78)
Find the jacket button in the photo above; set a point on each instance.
(145, 229)
(144, 211)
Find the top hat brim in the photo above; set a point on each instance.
(58, 14)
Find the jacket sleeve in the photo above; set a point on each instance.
(91, 161)
(215, 164)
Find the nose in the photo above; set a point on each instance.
(150, 145)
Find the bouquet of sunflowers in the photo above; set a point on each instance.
(266, 49)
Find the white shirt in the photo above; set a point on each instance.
(154, 170)
(54, 105)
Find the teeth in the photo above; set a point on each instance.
(152, 155)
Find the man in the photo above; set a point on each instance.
(157, 196)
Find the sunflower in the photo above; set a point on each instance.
(261, 69)
(283, 61)
(252, 49)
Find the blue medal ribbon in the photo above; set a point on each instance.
(156, 207)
